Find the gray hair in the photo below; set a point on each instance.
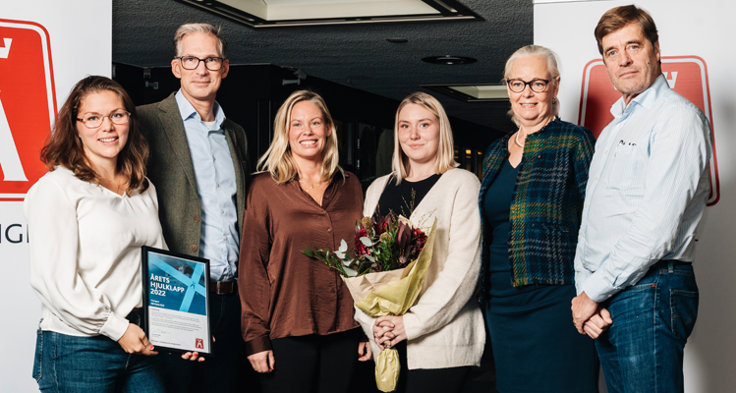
(535, 50)
(202, 28)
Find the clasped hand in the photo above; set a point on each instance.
(389, 331)
(589, 317)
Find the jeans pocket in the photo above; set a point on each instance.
(684, 312)
(38, 358)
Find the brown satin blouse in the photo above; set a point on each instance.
(283, 292)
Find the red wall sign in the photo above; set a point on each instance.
(27, 105)
(687, 75)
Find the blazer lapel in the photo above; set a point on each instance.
(173, 126)
(232, 144)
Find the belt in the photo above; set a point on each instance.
(668, 264)
(222, 287)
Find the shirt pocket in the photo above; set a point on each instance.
(627, 169)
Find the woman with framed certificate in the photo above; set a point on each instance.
(88, 218)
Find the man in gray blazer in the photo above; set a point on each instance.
(199, 166)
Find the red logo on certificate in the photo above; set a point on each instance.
(687, 75)
(27, 105)
(198, 343)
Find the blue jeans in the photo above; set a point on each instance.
(91, 364)
(642, 350)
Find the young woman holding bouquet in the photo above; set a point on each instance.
(442, 335)
(297, 317)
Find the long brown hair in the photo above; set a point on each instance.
(64, 147)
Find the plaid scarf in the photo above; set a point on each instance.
(546, 205)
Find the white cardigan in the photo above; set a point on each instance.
(445, 327)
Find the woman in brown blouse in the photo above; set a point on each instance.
(297, 314)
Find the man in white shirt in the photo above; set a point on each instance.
(646, 193)
(199, 166)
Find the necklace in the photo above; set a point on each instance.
(311, 186)
(516, 139)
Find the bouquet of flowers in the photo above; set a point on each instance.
(384, 272)
(380, 245)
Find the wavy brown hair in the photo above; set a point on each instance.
(64, 147)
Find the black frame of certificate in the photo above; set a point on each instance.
(202, 267)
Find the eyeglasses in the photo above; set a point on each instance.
(537, 85)
(192, 62)
(94, 120)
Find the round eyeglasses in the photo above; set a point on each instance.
(537, 85)
(192, 62)
(94, 120)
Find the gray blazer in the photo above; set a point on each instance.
(171, 170)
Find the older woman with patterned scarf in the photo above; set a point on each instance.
(531, 199)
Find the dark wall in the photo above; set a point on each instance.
(251, 95)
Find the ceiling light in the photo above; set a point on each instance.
(449, 60)
(472, 92)
(285, 13)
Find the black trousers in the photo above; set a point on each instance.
(313, 364)
(228, 370)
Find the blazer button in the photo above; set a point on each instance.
(193, 248)
(196, 219)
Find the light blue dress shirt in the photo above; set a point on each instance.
(647, 189)
(213, 167)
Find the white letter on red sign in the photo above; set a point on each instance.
(671, 78)
(9, 159)
(5, 51)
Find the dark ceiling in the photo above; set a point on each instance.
(358, 56)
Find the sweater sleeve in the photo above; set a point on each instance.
(450, 292)
(583, 156)
(54, 253)
(253, 282)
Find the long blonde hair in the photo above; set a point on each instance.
(278, 160)
(445, 158)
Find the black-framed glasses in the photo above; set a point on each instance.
(94, 120)
(537, 85)
(192, 62)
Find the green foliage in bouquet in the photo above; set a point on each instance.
(388, 243)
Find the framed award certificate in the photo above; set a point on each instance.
(175, 301)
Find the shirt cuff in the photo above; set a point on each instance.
(257, 345)
(114, 327)
(411, 326)
(597, 289)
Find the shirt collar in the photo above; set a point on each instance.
(187, 111)
(645, 99)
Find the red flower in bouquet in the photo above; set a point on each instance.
(360, 248)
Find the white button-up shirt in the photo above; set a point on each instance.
(647, 189)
